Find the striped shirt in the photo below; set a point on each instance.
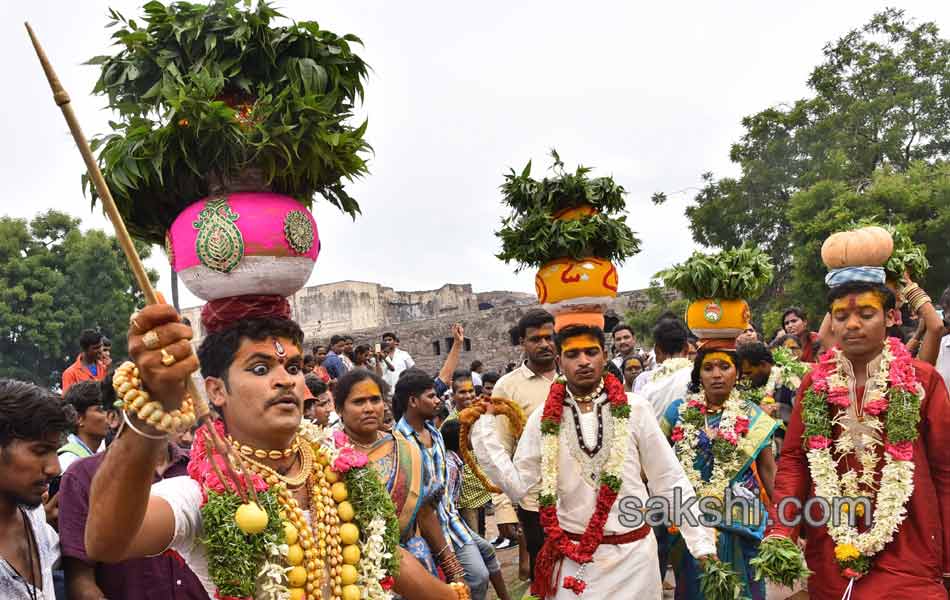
(435, 473)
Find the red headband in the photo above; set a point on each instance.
(222, 313)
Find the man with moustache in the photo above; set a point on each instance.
(32, 425)
(252, 366)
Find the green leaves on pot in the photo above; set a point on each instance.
(565, 190)
(737, 273)
(532, 236)
(215, 90)
(536, 238)
(907, 256)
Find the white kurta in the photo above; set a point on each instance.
(618, 571)
(660, 392)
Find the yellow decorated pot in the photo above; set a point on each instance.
(715, 318)
(569, 279)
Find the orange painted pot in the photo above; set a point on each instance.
(575, 213)
(715, 318)
(569, 279)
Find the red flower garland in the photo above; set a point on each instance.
(557, 544)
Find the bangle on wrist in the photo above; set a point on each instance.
(128, 421)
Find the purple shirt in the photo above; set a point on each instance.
(157, 578)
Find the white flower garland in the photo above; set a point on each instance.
(668, 367)
(685, 447)
(897, 476)
(372, 565)
(550, 451)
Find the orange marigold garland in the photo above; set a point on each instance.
(469, 416)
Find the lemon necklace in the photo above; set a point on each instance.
(326, 555)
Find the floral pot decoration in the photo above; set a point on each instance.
(717, 286)
(567, 226)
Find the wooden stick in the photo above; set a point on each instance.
(108, 203)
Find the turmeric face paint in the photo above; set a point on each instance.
(365, 389)
(719, 356)
(580, 342)
(853, 302)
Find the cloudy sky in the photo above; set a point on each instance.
(649, 92)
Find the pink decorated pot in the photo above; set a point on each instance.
(242, 244)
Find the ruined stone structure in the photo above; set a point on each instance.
(422, 319)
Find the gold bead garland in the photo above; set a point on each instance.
(250, 452)
(316, 550)
(135, 400)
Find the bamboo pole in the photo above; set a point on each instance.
(61, 97)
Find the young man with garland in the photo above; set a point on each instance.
(590, 445)
(870, 422)
(283, 531)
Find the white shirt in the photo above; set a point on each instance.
(663, 391)
(943, 360)
(476, 379)
(577, 494)
(14, 587)
(400, 360)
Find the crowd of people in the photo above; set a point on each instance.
(96, 505)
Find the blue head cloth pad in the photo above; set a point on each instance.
(844, 275)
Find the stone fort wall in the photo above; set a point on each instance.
(422, 319)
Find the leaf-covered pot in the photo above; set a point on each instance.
(712, 318)
(243, 244)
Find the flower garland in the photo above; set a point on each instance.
(280, 556)
(557, 543)
(733, 426)
(469, 416)
(893, 394)
(669, 367)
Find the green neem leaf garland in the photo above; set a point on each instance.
(736, 273)
(235, 557)
(370, 499)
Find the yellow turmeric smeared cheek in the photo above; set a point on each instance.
(853, 302)
(580, 342)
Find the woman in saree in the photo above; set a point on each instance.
(359, 399)
(715, 423)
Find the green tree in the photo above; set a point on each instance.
(881, 102)
(56, 281)
(917, 200)
(644, 319)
